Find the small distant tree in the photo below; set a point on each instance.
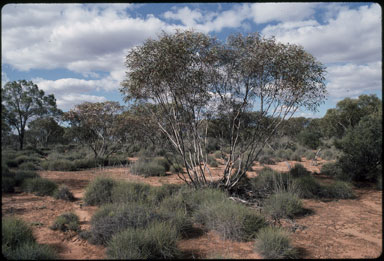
(44, 131)
(24, 102)
(195, 79)
(97, 125)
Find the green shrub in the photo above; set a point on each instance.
(337, 190)
(176, 168)
(163, 162)
(212, 161)
(66, 221)
(21, 175)
(282, 205)
(28, 166)
(295, 156)
(99, 191)
(217, 154)
(194, 198)
(129, 192)
(8, 184)
(157, 241)
(333, 169)
(113, 218)
(266, 160)
(284, 154)
(15, 232)
(59, 165)
(274, 243)
(63, 193)
(30, 251)
(310, 155)
(175, 212)
(326, 154)
(229, 219)
(39, 186)
(116, 161)
(147, 167)
(299, 171)
(157, 194)
(309, 187)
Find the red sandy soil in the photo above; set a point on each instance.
(337, 229)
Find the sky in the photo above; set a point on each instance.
(77, 51)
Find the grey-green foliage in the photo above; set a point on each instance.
(157, 241)
(23, 101)
(99, 191)
(274, 243)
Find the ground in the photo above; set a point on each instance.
(349, 228)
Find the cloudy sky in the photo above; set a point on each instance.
(77, 51)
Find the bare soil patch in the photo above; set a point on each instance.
(337, 229)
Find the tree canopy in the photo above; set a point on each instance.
(193, 78)
(24, 102)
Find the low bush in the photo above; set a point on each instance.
(99, 191)
(327, 154)
(28, 166)
(266, 160)
(59, 165)
(194, 198)
(337, 190)
(15, 232)
(274, 243)
(229, 219)
(332, 169)
(66, 221)
(163, 162)
(8, 184)
(217, 154)
(212, 161)
(21, 175)
(309, 187)
(24, 158)
(39, 186)
(310, 155)
(30, 251)
(299, 171)
(63, 193)
(176, 168)
(157, 241)
(129, 192)
(295, 157)
(147, 167)
(175, 212)
(157, 194)
(113, 218)
(282, 205)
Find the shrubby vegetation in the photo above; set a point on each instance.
(18, 242)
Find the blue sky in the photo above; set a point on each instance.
(77, 51)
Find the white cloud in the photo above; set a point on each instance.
(352, 36)
(268, 12)
(79, 38)
(68, 101)
(351, 80)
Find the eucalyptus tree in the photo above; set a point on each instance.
(97, 125)
(24, 102)
(195, 79)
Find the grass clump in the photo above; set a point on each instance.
(129, 192)
(39, 186)
(58, 165)
(99, 191)
(274, 243)
(21, 175)
(176, 168)
(309, 187)
(266, 159)
(18, 242)
(338, 190)
(7, 184)
(229, 219)
(63, 193)
(212, 161)
(157, 241)
(147, 167)
(299, 171)
(113, 218)
(66, 221)
(282, 205)
(28, 166)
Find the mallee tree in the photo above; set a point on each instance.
(195, 79)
